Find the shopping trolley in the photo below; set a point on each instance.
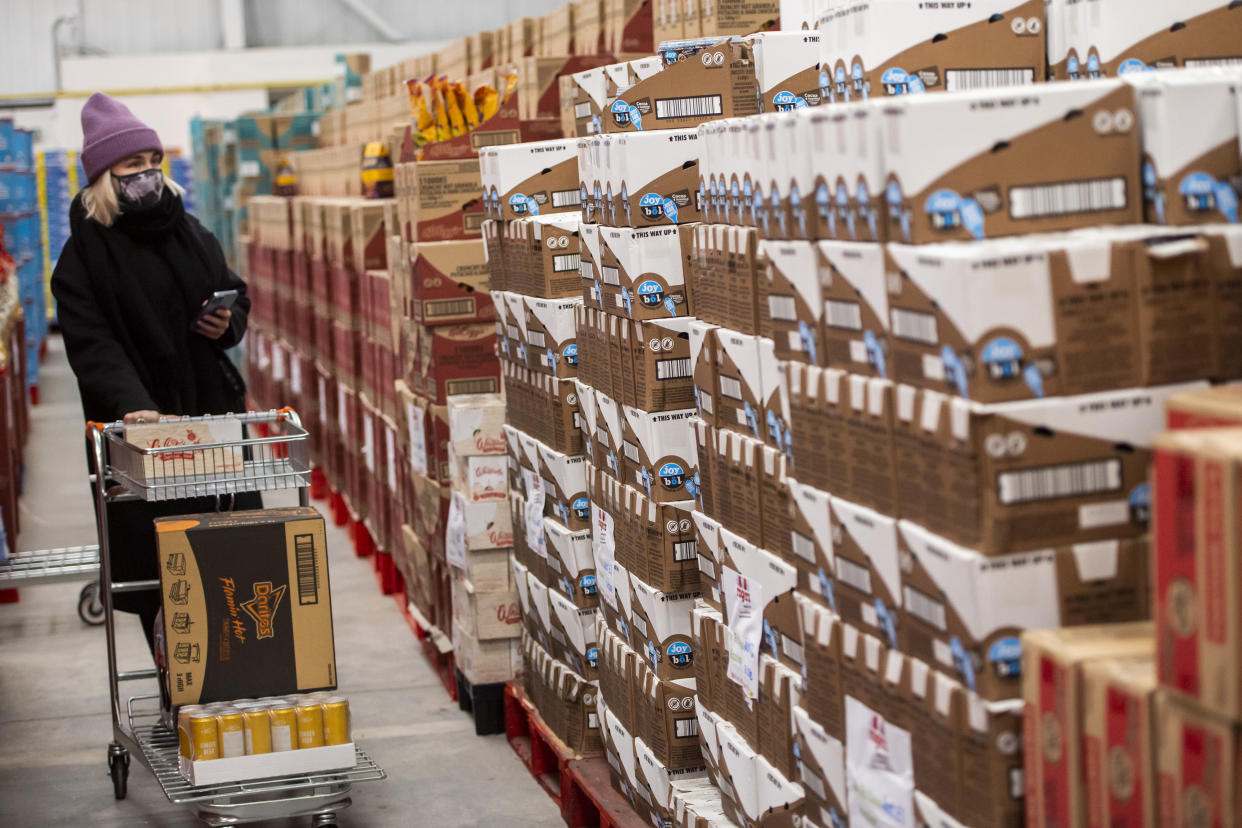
(271, 455)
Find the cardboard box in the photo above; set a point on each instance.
(443, 198)
(1072, 469)
(478, 478)
(856, 308)
(1118, 741)
(485, 662)
(1106, 39)
(476, 424)
(1052, 677)
(660, 629)
(530, 179)
(1027, 169)
(484, 615)
(787, 69)
(553, 256)
(963, 612)
(572, 562)
(1190, 146)
(1196, 538)
(457, 359)
(1197, 763)
(719, 73)
(822, 771)
(1219, 405)
(733, 474)
(627, 26)
(660, 454)
(900, 49)
(867, 579)
(724, 276)
(732, 18)
(588, 27)
(232, 624)
(551, 335)
(643, 273)
(660, 363)
(449, 283)
(658, 175)
(572, 634)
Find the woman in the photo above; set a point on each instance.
(129, 286)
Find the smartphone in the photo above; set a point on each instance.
(220, 300)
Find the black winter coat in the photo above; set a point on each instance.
(127, 297)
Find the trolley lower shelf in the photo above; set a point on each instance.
(238, 802)
(45, 566)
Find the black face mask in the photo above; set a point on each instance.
(140, 190)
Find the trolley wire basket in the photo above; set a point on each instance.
(188, 457)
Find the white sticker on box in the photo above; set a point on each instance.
(1112, 513)
(933, 367)
(743, 599)
(880, 768)
(368, 442)
(278, 363)
(295, 375)
(390, 451)
(342, 417)
(323, 400)
(455, 533)
(418, 438)
(603, 549)
(534, 512)
(858, 352)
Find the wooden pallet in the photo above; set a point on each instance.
(580, 786)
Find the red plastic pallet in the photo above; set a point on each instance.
(579, 786)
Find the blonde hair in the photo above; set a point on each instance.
(102, 204)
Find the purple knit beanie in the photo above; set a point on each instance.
(110, 132)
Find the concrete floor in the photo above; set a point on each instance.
(54, 722)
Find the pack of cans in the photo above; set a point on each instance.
(249, 727)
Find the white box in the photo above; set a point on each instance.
(1115, 37)
(786, 69)
(261, 766)
(476, 424)
(485, 615)
(660, 449)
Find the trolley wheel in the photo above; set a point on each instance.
(118, 769)
(324, 820)
(90, 608)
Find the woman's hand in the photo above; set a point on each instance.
(214, 325)
(135, 417)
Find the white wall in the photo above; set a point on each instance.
(198, 83)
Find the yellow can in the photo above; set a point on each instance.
(258, 724)
(183, 727)
(284, 726)
(204, 736)
(232, 733)
(310, 725)
(335, 720)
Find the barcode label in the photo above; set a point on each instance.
(565, 262)
(803, 547)
(673, 368)
(566, 198)
(731, 388)
(685, 550)
(592, 721)
(1059, 481)
(686, 728)
(792, 648)
(448, 307)
(1068, 198)
(631, 451)
(697, 106)
(535, 338)
(926, 608)
(1222, 61)
(639, 623)
(582, 110)
(921, 327)
(846, 315)
(587, 269)
(513, 332)
(612, 275)
(307, 569)
(783, 308)
(851, 574)
(486, 385)
(964, 79)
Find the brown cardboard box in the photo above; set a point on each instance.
(725, 277)
(822, 771)
(777, 582)
(458, 359)
(1052, 722)
(658, 177)
(627, 26)
(667, 22)
(1197, 761)
(485, 662)
(786, 67)
(449, 283)
(1196, 535)
(735, 476)
(573, 634)
(1205, 408)
(792, 285)
(779, 692)
(484, 615)
(530, 179)
(557, 32)
(232, 625)
(660, 626)
(992, 762)
(1118, 741)
(662, 370)
(738, 18)
(643, 272)
(588, 21)
(1089, 178)
(445, 204)
(1091, 451)
(867, 576)
(724, 89)
(667, 723)
(963, 612)
(856, 312)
